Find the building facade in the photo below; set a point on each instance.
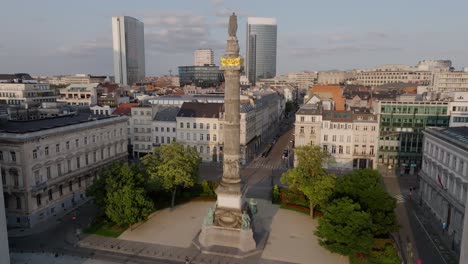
(47, 164)
(444, 181)
(450, 81)
(129, 50)
(394, 73)
(334, 77)
(401, 126)
(201, 76)
(79, 94)
(26, 94)
(203, 57)
(4, 250)
(164, 126)
(83, 79)
(199, 125)
(261, 48)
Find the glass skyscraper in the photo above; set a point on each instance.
(129, 50)
(261, 48)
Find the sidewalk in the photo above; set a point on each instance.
(46, 224)
(443, 241)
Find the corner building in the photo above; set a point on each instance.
(47, 164)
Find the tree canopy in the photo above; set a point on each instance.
(309, 177)
(345, 228)
(173, 166)
(365, 188)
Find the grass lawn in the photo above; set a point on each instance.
(105, 229)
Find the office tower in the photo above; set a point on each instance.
(203, 57)
(129, 49)
(261, 48)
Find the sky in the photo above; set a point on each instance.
(51, 37)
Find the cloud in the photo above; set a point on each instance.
(89, 48)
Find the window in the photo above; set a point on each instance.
(1, 155)
(162, 140)
(18, 202)
(201, 136)
(334, 138)
(59, 169)
(168, 130)
(207, 125)
(201, 125)
(301, 131)
(363, 150)
(312, 130)
(57, 148)
(34, 154)
(373, 128)
(168, 140)
(201, 149)
(173, 139)
(157, 139)
(371, 150)
(37, 177)
(102, 154)
(61, 189)
(13, 156)
(108, 151)
(194, 125)
(77, 142)
(87, 159)
(79, 182)
(48, 173)
(78, 165)
(340, 149)
(208, 149)
(38, 200)
(46, 150)
(365, 128)
(214, 126)
(207, 137)
(3, 177)
(333, 149)
(188, 125)
(67, 145)
(325, 138)
(214, 137)
(341, 138)
(302, 118)
(357, 128)
(188, 136)
(50, 195)
(325, 148)
(356, 149)
(181, 125)
(70, 186)
(348, 149)
(69, 165)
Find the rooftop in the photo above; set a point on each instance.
(310, 109)
(167, 114)
(455, 135)
(125, 108)
(21, 127)
(207, 110)
(338, 116)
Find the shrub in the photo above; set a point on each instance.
(294, 196)
(276, 195)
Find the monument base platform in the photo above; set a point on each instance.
(230, 242)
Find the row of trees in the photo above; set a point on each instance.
(356, 208)
(123, 191)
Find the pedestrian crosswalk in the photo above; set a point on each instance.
(266, 166)
(400, 198)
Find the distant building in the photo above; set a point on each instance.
(22, 90)
(401, 126)
(83, 79)
(165, 124)
(261, 48)
(458, 109)
(450, 81)
(304, 80)
(395, 73)
(47, 164)
(201, 76)
(334, 77)
(79, 94)
(129, 50)
(203, 57)
(443, 183)
(333, 92)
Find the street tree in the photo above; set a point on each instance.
(309, 177)
(345, 228)
(173, 166)
(364, 187)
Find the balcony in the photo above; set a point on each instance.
(39, 186)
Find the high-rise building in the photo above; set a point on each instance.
(261, 48)
(129, 49)
(203, 57)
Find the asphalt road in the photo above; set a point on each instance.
(417, 239)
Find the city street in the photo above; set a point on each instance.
(417, 236)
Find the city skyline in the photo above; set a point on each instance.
(310, 36)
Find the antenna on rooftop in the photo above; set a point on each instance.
(170, 72)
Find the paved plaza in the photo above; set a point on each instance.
(291, 238)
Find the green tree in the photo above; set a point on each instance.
(364, 187)
(345, 228)
(173, 166)
(309, 177)
(98, 190)
(289, 106)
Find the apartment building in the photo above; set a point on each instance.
(25, 93)
(450, 81)
(164, 126)
(47, 164)
(444, 180)
(79, 94)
